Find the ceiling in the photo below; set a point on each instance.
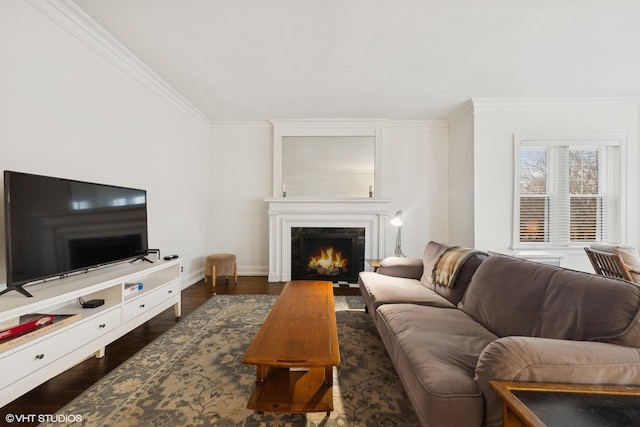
(395, 59)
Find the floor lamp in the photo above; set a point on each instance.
(396, 221)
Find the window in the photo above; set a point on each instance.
(568, 193)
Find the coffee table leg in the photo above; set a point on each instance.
(261, 371)
(328, 375)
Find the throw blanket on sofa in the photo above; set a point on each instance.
(449, 263)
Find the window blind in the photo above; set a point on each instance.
(568, 193)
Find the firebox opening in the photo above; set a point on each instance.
(335, 254)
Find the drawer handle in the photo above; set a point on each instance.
(102, 325)
(40, 356)
(170, 292)
(141, 305)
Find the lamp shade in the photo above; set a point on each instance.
(396, 221)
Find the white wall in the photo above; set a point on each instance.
(460, 178)
(66, 111)
(241, 170)
(496, 121)
(414, 178)
(415, 164)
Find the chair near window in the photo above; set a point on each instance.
(618, 261)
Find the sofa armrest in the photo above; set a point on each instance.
(410, 268)
(552, 360)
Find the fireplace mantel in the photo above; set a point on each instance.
(286, 212)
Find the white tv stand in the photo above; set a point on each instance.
(32, 363)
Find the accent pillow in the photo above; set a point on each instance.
(432, 253)
(455, 292)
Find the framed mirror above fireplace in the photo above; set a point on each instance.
(327, 158)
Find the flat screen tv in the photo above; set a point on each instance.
(55, 226)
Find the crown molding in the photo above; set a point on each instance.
(459, 112)
(366, 125)
(328, 123)
(534, 102)
(417, 124)
(223, 126)
(470, 106)
(76, 22)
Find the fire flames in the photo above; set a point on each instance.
(328, 262)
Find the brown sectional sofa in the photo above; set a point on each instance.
(502, 319)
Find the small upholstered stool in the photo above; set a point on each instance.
(221, 265)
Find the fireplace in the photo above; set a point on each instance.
(289, 213)
(327, 253)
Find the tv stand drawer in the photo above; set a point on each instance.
(29, 359)
(149, 300)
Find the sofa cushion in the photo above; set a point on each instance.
(380, 289)
(628, 254)
(511, 296)
(432, 253)
(396, 266)
(435, 352)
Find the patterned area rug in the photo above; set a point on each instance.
(193, 375)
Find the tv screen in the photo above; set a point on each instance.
(56, 226)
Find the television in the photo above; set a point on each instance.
(56, 226)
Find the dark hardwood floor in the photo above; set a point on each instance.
(57, 392)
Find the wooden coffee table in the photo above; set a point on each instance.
(295, 351)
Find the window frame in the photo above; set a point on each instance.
(573, 140)
(546, 196)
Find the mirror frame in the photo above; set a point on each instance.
(329, 128)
